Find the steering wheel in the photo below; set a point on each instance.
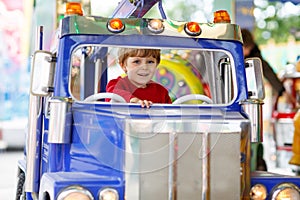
(189, 97)
(105, 95)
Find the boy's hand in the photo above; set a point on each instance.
(142, 102)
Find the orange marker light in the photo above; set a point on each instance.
(192, 28)
(115, 25)
(221, 16)
(73, 8)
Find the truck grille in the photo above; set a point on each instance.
(190, 161)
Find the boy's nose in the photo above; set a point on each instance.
(144, 66)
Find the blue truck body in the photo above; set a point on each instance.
(169, 151)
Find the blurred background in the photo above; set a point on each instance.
(275, 25)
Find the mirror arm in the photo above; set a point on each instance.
(247, 65)
(52, 59)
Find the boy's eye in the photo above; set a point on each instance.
(136, 61)
(151, 61)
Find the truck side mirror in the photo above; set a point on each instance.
(256, 93)
(254, 75)
(42, 73)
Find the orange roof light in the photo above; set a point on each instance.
(221, 16)
(73, 8)
(192, 28)
(115, 25)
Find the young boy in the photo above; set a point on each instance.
(137, 87)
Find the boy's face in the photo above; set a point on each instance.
(140, 70)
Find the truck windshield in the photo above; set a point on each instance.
(181, 71)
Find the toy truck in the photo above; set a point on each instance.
(80, 146)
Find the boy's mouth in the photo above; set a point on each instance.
(143, 74)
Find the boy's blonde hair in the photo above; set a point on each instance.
(124, 53)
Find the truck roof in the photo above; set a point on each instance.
(82, 25)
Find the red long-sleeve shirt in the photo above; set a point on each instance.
(153, 92)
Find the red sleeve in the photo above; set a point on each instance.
(167, 97)
(118, 86)
(158, 93)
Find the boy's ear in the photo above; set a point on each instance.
(123, 67)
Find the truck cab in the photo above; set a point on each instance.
(81, 146)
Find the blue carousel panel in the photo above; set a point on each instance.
(293, 1)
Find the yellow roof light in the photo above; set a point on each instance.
(115, 25)
(156, 26)
(73, 8)
(192, 28)
(221, 16)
